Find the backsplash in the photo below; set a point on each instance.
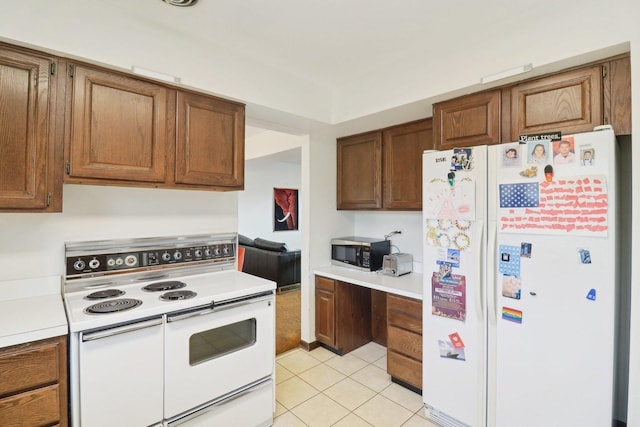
(33, 244)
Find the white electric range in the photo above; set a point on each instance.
(166, 332)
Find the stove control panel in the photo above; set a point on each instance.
(113, 259)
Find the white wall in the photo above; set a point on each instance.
(33, 244)
(255, 203)
(379, 224)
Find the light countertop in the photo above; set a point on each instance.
(409, 285)
(31, 310)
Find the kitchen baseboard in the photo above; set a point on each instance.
(309, 346)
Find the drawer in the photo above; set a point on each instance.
(404, 369)
(325, 284)
(37, 407)
(404, 342)
(29, 366)
(404, 313)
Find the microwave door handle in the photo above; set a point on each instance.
(105, 333)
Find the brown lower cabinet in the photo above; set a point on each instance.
(349, 316)
(404, 340)
(33, 390)
(343, 315)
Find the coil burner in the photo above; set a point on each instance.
(168, 285)
(113, 306)
(177, 295)
(106, 293)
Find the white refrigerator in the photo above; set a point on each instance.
(520, 273)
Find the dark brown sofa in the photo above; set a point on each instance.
(270, 260)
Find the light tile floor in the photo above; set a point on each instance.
(319, 388)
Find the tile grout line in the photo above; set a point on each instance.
(324, 361)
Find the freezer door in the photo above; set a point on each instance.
(454, 314)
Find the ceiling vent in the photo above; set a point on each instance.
(181, 3)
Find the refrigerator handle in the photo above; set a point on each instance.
(478, 291)
(492, 253)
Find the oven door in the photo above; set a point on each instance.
(120, 375)
(211, 352)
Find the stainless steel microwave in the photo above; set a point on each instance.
(359, 252)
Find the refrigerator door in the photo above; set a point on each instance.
(454, 315)
(552, 303)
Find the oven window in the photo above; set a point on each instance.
(217, 342)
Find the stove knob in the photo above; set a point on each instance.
(207, 252)
(225, 250)
(216, 251)
(94, 263)
(198, 253)
(177, 255)
(166, 256)
(79, 265)
(131, 260)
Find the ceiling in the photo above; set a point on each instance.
(329, 42)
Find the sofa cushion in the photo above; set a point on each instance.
(245, 241)
(270, 245)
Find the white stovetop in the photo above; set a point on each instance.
(31, 310)
(215, 286)
(409, 285)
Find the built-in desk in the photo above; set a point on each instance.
(409, 285)
(355, 307)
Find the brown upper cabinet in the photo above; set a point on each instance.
(30, 131)
(383, 169)
(572, 101)
(209, 141)
(403, 146)
(360, 171)
(468, 121)
(124, 130)
(617, 95)
(119, 127)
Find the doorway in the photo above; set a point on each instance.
(273, 161)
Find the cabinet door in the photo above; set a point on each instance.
(617, 95)
(325, 317)
(30, 150)
(209, 141)
(402, 153)
(360, 171)
(467, 121)
(353, 316)
(569, 102)
(119, 128)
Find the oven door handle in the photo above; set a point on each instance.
(218, 307)
(105, 333)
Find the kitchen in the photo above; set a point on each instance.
(94, 212)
